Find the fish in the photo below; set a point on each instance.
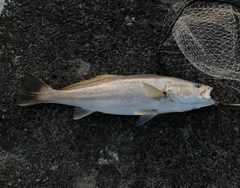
(144, 95)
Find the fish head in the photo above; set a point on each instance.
(196, 89)
(191, 93)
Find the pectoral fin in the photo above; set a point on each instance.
(143, 119)
(80, 113)
(152, 92)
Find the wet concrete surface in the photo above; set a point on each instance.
(64, 42)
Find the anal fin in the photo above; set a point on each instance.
(81, 113)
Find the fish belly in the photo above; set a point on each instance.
(120, 106)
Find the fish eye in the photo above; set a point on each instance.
(198, 85)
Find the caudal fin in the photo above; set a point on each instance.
(32, 90)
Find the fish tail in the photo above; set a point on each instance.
(33, 91)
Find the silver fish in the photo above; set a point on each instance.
(143, 95)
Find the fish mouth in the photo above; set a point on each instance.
(206, 93)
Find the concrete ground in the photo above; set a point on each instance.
(64, 42)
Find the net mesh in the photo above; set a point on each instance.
(208, 38)
(204, 46)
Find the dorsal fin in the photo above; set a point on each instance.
(95, 79)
